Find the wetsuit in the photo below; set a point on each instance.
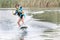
(19, 12)
(20, 15)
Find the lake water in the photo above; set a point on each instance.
(37, 30)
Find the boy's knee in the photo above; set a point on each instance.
(18, 22)
(23, 21)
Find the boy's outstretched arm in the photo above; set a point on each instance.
(15, 12)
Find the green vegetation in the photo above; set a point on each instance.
(53, 17)
(30, 3)
(8, 3)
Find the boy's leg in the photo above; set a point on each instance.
(23, 19)
(19, 22)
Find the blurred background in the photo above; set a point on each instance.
(42, 20)
(30, 3)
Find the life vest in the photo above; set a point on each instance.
(20, 10)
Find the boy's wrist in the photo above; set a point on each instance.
(14, 13)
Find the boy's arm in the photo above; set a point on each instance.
(15, 12)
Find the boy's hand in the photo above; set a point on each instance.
(14, 14)
(22, 12)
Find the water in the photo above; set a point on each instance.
(9, 29)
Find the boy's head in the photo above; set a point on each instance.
(17, 6)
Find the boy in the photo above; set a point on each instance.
(20, 14)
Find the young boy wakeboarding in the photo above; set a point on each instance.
(20, 13)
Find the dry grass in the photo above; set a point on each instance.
(31, 3)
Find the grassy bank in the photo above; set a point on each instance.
(53, 17)
(42, 9)
(30, 3)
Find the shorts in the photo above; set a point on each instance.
(20, 15)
